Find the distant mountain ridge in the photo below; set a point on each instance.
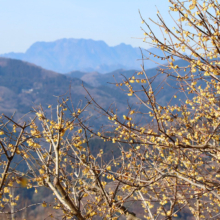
(66, 55)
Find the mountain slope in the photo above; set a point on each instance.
(24, 85)
(67, 55)
(169, 85)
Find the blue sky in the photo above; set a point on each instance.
(23, 22)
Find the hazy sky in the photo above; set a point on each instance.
(23, 22)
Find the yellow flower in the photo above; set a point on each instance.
(6, 190)
(23, 181)
(10, 183)
(41, 171)
(138, 147)
(108, 167)
(40, 115)
(44, 204)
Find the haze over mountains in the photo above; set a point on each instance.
(66, 55)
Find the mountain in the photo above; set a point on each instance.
(169, 86)
(24, 85)
(66, 55)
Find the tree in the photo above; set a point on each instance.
(169, 153)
